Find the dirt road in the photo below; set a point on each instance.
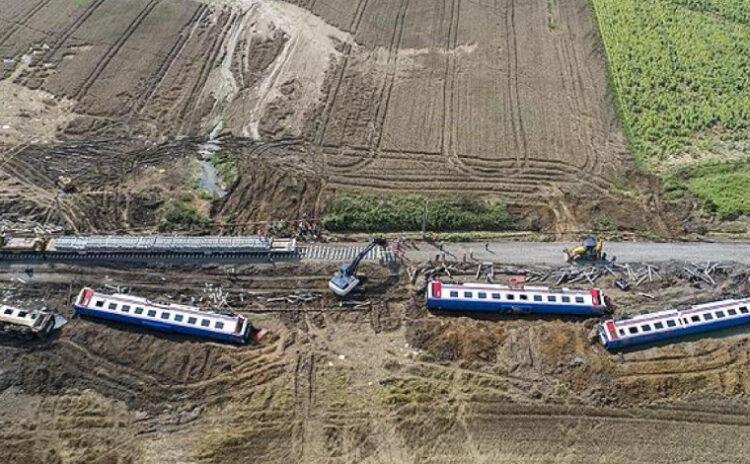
(551, 252)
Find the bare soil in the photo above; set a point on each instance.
(389, 383)
(499, 100)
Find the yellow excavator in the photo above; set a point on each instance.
(590, 251)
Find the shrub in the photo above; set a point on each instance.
(370, 213)
(179, 215)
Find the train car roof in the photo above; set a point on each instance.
(526, 288)
(174, 307)
(675, 312)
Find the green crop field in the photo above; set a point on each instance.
(681, 73)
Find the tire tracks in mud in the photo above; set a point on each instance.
(392, 64)
(448, 134)
(339, 79)
(114, 49)
(21, 23)
(519, 132)
(208, 65)
(186, 32)
(712, 362)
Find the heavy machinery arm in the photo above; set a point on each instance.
(345, 279)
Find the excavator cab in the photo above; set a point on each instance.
(345, 279)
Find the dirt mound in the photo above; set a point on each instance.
(467, 341)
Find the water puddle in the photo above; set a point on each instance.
(210, 181)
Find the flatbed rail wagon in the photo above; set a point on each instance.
(664, 325)
(173, 318)
(499, 299)
(128, 248)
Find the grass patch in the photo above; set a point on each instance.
(723, 187)
(181, 215)
(226, 166)
(370, 213)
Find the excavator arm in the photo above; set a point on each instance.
(345, 279)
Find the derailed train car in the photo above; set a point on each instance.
(499, 299)
(28, 322)
(655, 327)
(173, 318)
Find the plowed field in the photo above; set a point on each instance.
(502, 99)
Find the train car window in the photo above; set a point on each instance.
(537, 297)
(523, 297)
(708, 316)
(695, 319)
(732, 312)
(467, 294)
(579, 299)
(99, 303)
(671, 323)
(566, 299)
(219, 325)
(165, 315)
(454, 294)
(633, 330)
(510, 296)
(646, 328)
(8, 311)
(744, 310)
(205, 323)
(112, 306)
(622, 332)
(151, 313)
(192, 320)
(125, 308)
(22, 313)
(178, 317)
(496, 296)
(720, 314)
(658, 325)
(33, 316)
(138, 310)
(482, 295)
(552, 298)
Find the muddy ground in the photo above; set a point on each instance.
(386, 382)
(504, 100)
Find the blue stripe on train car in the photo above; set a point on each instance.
(513, 308)
(160, 326)
(675, 333)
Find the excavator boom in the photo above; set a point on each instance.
(345, 280)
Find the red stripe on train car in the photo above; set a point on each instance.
(86, 297)
(612, 331)
(437, 288)
(595, 297)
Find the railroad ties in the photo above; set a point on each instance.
(344, 254)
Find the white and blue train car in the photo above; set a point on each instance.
(491, 298)
(186, 320)
(664, 325)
